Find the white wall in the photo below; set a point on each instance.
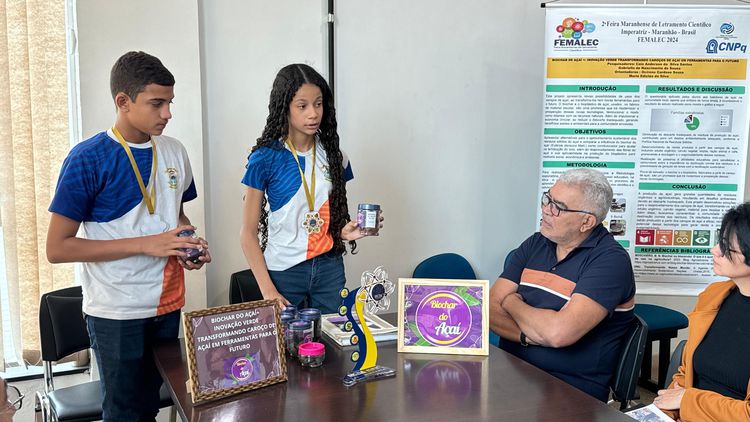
(244, 44)
(435, 109)
(439, 105)
(439, 108)
(167, 29)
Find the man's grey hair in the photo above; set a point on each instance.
(597, 193)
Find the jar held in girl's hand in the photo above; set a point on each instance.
(368, 219)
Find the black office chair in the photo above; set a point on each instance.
(674, 363)
(63, 332)
(445, 265)
(243, 287)
(625, 382)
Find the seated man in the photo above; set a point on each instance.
(566, 298)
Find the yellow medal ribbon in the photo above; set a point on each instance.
(149, 200)
(310, 195)
(313, 222)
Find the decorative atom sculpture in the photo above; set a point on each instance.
(377, 290)
(370, 297)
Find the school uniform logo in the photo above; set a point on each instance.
(326, 171)
(172, 174)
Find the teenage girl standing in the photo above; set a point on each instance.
(295, 218)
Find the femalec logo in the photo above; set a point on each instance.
(573, 28)
(443, 318)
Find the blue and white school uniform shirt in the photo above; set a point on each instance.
(97, 187)
(273, 170)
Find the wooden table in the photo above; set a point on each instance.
(498, 387)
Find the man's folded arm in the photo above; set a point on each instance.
(555, 328)
(500, 322)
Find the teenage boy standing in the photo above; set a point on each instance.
(127, 186)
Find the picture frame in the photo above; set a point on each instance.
(443, 316)
(232, 349)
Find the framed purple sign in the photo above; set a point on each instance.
(235, 348)
(443, 316)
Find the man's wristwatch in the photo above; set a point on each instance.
(522, 340)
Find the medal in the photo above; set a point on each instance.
(313, 223)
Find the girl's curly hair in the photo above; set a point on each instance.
(289, 79)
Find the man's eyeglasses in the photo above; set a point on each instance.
(555, 208)
(14, 399)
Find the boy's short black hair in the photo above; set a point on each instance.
(136, 69)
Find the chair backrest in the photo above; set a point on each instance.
(449, 266)
(61, 325)
(674, 363)
(625, 378)
(243, 287)
(445, 265)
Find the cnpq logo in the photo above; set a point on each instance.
(572, 31)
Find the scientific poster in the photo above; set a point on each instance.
(656, 98)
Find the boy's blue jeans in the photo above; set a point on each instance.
(129, 378)
(314, 283)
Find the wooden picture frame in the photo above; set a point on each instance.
(232, 349)
(443, 316)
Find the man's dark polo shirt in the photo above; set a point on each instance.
(599, 269)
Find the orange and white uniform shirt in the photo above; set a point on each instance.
(97, 187)
(274, 170)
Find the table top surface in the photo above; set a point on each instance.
(427, 387)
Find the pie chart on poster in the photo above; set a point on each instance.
(692, 122)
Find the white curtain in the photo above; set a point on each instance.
(33, 142)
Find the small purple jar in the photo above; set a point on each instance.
(312, 315)
(297, 332)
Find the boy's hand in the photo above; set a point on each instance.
(168, 243)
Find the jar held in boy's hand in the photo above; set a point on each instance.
(192, 253)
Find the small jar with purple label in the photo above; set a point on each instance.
(297, 332)
(192, 253)
(312, 315)
(285, 319)
(290, 309)
(368, 219)
(312, 354)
